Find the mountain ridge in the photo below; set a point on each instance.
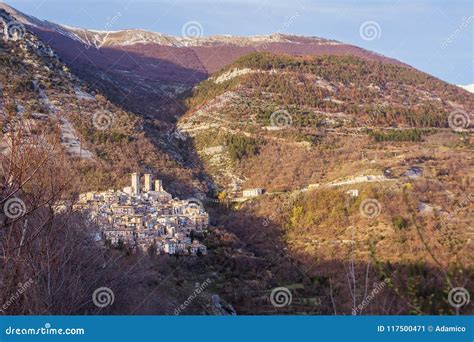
(166, 39)
(468, 87)
(164, 67)
(319, 98)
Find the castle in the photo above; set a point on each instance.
(147, 218)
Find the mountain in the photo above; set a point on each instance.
(263, 104)
(60, 138)
(469, 87)
(364, 167)
(148, 72)
(357, 160)
(104, 141)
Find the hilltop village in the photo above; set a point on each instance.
(147, 218)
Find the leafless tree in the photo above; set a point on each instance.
(50, 262)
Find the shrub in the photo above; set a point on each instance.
(400, 222)
(397, 135)
(23, 85)
(240, 146)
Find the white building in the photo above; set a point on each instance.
(353, 192)
(141, 220)
(170, 247)
(252, 192)
(159, 185)
(148, 183)
(136, 184)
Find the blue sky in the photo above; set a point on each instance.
(434, 36)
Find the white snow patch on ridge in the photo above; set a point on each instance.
(232, 74)
(469, 87)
